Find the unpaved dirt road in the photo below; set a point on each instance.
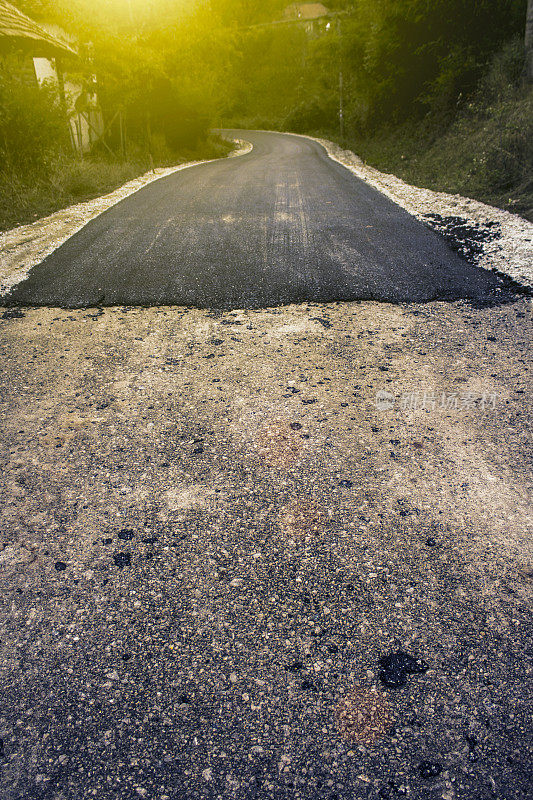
(211, 536)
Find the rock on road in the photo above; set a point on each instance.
(282, 224)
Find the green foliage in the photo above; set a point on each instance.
(403, 59)
(175, 68)
(314, 115)
(486, 152)
(505, 72)
(178, 118)
(26, 196)
(33, 129)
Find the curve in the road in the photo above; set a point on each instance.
(282, 224)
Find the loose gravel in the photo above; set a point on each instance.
(210, 553)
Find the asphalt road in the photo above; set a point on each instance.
(281, 224)
(214, 541)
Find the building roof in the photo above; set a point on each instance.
(305, 11)
(17, 31)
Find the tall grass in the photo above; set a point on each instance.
(28, 196)
(486, 152)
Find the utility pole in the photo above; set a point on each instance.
(528, 64)
(341, 109)
(341, 86)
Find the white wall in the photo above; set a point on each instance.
(83, 135)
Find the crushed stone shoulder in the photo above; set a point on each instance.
(490, 237)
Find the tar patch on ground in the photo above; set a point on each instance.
(122, 559)
(466, 238)
(469, 240)
(397, 666)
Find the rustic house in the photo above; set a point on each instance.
(312, 15)
(37, 53)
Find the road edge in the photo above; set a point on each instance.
(509, 252)
(25, 246)
(501, 242)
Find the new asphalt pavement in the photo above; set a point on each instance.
(282, 224)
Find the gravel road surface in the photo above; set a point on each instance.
(212, 537)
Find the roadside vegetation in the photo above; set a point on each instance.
(436, 93)
(484, 151)
(166, 111)
(31, 194)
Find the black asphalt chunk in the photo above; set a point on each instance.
(393, 678)
(282, 224)
(429, 769)
(12, 313)
(296, 666)
(126, 534)
(405, 662)
(60, 566)
(465, 237)
(397, 666)
(122, 559)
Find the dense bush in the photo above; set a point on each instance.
(313, 115)
(485, 152)
(179, 119)
(33, 128)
